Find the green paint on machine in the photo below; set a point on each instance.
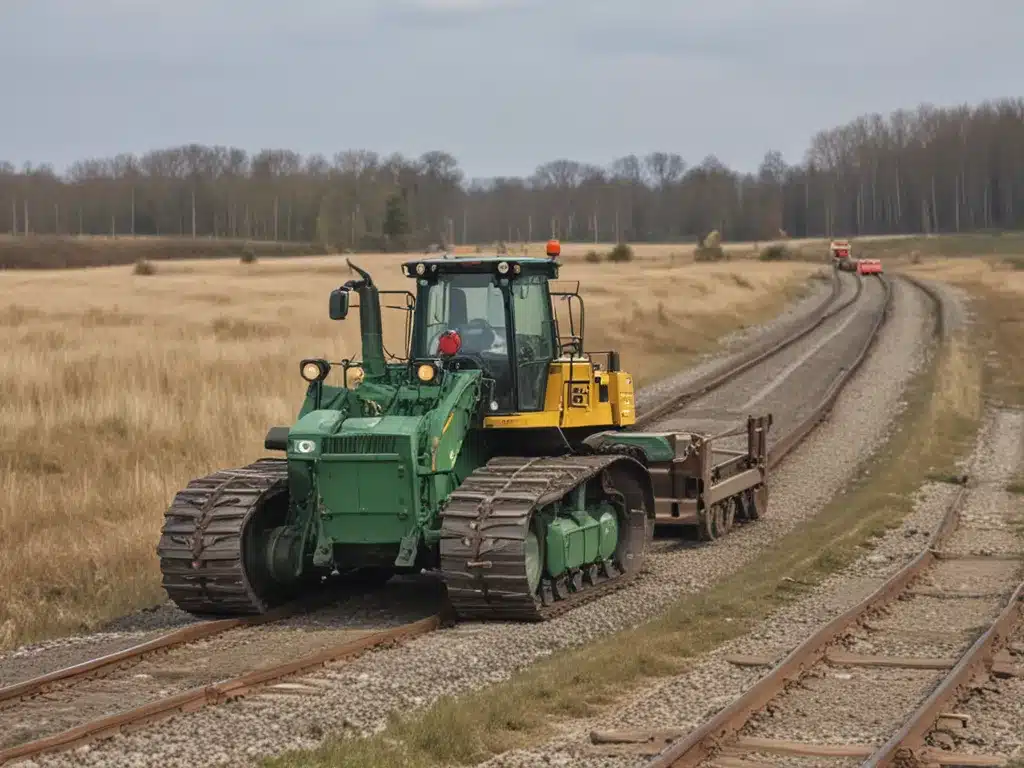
(398, 473)
(581, 540)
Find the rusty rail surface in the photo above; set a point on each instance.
(704, 741)
(104, 665)
(197, 698)
(907, 746)
(700, 743)
(751, 357)
(795, 436)
(217, 693)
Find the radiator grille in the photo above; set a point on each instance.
(361, 444)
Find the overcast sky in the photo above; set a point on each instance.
(501, 84)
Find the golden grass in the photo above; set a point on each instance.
(996, 287)
(816, 247)
(116, 389)
(61, 251)
(938, 427)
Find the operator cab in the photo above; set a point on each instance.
(491, 313)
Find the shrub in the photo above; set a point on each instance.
(709, 253)
(776, 253)
(144, 267)
(248, 256)
(621, 252)
(592, 256)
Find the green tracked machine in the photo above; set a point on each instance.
(498, 453)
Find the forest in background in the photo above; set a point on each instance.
(928, 170)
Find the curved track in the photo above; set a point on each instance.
(798, 351)
(926, 685)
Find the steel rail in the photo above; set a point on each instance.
(796, 435)
(704, 741)
(907, 746)
(104, 665)
(752, 357)
(217, 693)
(197, 698)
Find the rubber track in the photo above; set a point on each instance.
(483, 530)
(200, 546)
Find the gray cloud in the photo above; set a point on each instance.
(502, 84)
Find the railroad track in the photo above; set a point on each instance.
(755, 730)
(752, 356)
(62, 684)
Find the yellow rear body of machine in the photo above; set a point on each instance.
(577, 396)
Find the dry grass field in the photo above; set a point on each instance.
(682, 253)
(996, 286)
(117, 388)
(63, 251)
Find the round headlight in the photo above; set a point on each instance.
(425, 372)
(304, 446)
(517, 269)
(503, 267)
(421, 268)
(312, 371)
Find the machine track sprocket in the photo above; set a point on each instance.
(487, 520)
(207, 549)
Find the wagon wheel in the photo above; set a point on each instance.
(750, 503)
(712, 521)
(729, 508)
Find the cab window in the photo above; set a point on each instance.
(473, 305)
(534, 339)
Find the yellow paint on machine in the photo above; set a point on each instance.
(577, 396)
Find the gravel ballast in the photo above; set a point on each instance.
(855, 705)
(362, 693)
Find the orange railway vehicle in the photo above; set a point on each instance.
(840, 249)
(869, 267)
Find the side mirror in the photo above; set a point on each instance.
(339, 304)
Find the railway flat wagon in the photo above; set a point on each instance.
(698, 482)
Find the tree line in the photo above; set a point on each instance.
(931, 169)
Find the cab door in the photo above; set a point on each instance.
(533, 339)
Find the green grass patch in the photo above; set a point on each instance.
(944, 246)
(937, 428)
(946, 476)
(1000, 316)
(1016, 485)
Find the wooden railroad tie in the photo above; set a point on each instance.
(1002, 665)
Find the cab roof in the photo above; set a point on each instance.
(483, 264)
